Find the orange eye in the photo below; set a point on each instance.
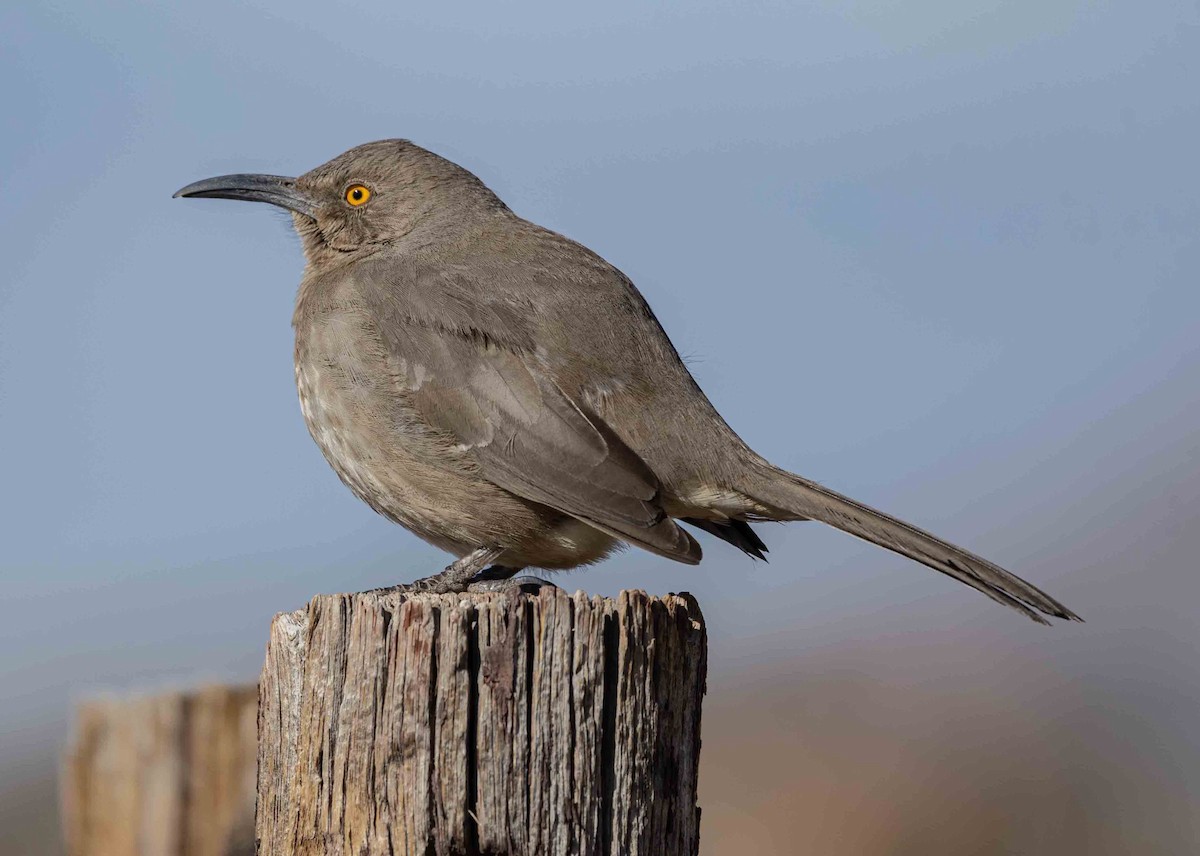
(357, 194)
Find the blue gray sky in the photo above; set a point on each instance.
(942, 256)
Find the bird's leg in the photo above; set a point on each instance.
(455, 578)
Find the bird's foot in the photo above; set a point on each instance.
(473, 572)
(456, 577)
(526, 583)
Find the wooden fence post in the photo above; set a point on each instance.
(531, 725)
(162, 775)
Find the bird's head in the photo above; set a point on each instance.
(372, 195)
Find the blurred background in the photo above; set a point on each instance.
(942, 256)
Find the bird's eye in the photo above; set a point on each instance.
(357, 194)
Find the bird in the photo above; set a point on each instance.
(509, 396)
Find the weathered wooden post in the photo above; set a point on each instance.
(538, 725)
(162, 775)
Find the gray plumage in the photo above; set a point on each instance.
(488, 383)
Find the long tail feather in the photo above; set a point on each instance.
(794, 495)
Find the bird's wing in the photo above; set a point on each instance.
(525, 432)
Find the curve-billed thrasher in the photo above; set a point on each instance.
(508, 395)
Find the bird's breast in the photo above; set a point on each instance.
(361, 416)
(350, 403)
(332, 422)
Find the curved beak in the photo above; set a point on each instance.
(275, 189)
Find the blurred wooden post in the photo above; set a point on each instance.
(532, 725)
(162, 775)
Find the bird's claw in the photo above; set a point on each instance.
(525, 583)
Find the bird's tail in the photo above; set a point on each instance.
(793, 497)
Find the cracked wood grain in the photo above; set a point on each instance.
(482, 724)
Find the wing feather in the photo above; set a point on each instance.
(525, 432)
